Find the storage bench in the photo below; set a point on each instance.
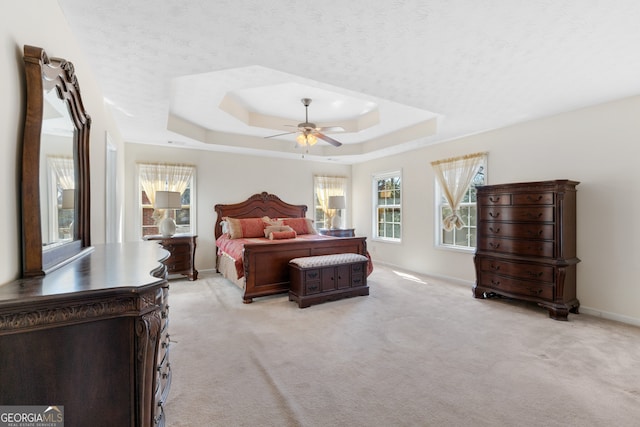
(318, 279)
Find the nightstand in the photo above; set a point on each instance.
(338, 232)
(182, 248)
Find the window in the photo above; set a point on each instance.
(459, 238)
(323, 188)
(387, 197)
(57, 219)
(166, 177)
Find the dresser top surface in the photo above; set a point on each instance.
(106, 268)
(530, 186)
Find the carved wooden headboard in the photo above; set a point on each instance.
(257, 206)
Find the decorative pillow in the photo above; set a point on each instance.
(275, 228)
(245, 227)
(300, 225)
(271, 221)
(278, 235)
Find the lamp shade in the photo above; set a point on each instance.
(167, 200)
(336, 202)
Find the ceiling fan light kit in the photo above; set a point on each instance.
(308, 132)
(305, 139)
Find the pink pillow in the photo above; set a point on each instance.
(245, 227)
(300, 225)
(278, 235)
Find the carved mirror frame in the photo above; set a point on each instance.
(45, 74)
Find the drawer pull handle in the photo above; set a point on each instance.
(494, 267)
(534, 199)
(535, 291)
(494, 199)
(313, 275)
(494, 214)
(496, 230)
(533, 233)
(495, 282)
(534, 216)
(494, 245)
(534, 274)
(313, 288)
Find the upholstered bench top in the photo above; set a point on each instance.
(322, 260)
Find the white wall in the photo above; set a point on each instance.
(226, 178)
(598, 146)
(41, 23)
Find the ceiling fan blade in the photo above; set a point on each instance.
(328, 139)
(280, 134)
(331, 129)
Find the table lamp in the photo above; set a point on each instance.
(167, 200)
(337, 203)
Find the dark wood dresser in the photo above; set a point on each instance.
(526, 247)
(90, 336)
(182, 249)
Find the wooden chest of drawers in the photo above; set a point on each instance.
(163, 367)
(526, 247)
(182, 249)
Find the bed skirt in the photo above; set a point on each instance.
(227, 267)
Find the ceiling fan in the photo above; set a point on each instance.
(308, 132)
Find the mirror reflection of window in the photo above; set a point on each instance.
(57, 172)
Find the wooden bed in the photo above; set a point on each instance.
(265, 264)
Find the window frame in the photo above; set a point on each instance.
(317, 208)
(440, 202)
(375, 179)
(192, 206)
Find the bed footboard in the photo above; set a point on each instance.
(266, 269)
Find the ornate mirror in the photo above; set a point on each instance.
(55, 166)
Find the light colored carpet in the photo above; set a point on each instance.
(416, 352)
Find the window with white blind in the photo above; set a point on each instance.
(166, 177)
(387, 203)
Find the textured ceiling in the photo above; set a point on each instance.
(436, 69)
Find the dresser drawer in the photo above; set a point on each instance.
(520, 247)
(542, 198)
(504, 213)
(358, 268)
(178, 250)
(163, 349)
(522, 231)
(164, 319)
(312, 287)
(495, 199)
(311, 275)
(164, 374)
(357, 280)
(179, 265)
(520, 270)
(517, 287)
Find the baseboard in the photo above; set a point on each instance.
(609, 316)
